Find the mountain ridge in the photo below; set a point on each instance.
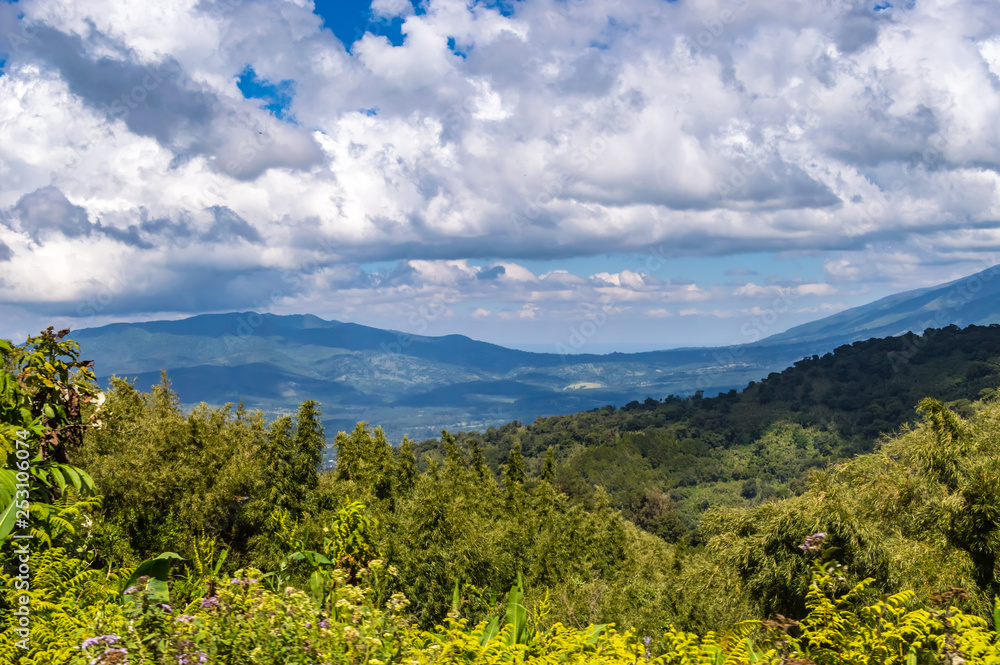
(970, 300)
(416, 384)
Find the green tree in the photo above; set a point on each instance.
(45, 390)
(479, 466)
(406, 467)
(514, 475)
(549, 467)
(308, 446)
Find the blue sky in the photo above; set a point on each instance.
(506, 170)
(350, 20)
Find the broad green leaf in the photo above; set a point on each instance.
(492, 630)
(517, 614)
(87, 481)
(594, 632)
(456, 599)
(218, 564)
(73, 476)
(58, 477)
(8, 482)
(316, 587)
(158, 571)
(8, 516)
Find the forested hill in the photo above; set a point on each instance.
(675, 457)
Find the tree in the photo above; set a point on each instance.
(454, 462)
(307, 446)
(549, 468)
(54, 384)
(514, 474)
(44, 387)
(406, 467)
(479, 462)
(282, 493)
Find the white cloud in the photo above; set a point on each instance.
(567, 130)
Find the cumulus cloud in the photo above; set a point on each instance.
(488, 138)
(46, 211)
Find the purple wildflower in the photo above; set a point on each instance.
(131, 590)
(814, 543)
(324, 624)
(189, 658)
(185, 618)
(209, 602)
(101, 639)
(647, 641)
(165, 607)
(112, 655)
(309, 624)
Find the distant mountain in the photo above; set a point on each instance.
(407, 383)
(418, 385)
(972, 300)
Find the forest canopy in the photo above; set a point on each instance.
(164, 536)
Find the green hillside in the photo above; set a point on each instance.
(683, 455)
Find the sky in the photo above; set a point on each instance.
(599, 175)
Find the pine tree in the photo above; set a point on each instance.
(279, 491)
(478, 461)
(549, 468)
(307, 447)
(454, 462)
(406, 467)
(351, 451)
(379, 466)
(514, 473)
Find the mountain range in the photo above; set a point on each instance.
(416, 385)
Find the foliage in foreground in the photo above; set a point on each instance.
(83, 618)
(370, 581)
